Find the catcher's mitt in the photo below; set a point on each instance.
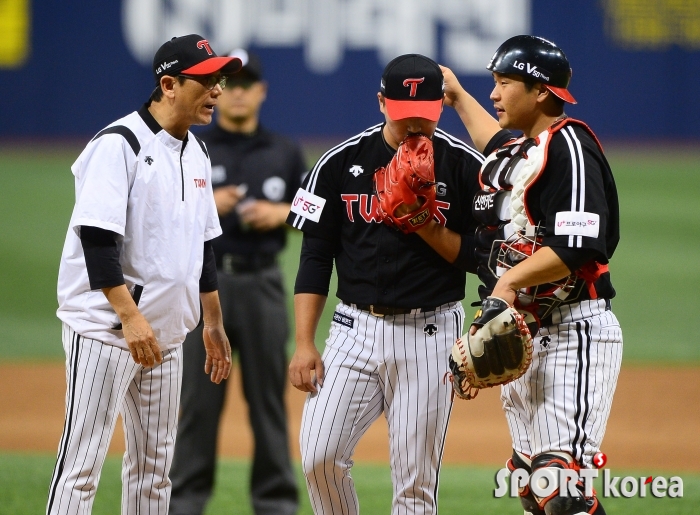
(499, 352)
(408, 179)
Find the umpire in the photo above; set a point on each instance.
(254, 174)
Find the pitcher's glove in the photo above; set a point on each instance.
(499, 352)
(405, 188)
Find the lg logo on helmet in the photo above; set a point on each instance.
(532, 70)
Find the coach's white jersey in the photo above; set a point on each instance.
(155, 192)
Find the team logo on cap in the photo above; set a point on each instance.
(205, 44)
(413, 83)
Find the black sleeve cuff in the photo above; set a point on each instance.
(209, 280)
(101, 257)
(315, 265)
(466, 260)
(575, 258)
(498, 140)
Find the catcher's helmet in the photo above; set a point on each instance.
(537, 58)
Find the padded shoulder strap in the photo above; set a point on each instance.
(128, 135)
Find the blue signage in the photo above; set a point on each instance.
(67, 71)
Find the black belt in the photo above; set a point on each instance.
(380, 311)
(236, 264)
(547, 320)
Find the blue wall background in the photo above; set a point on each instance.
(79, 75)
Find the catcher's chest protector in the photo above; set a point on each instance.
(507, 174)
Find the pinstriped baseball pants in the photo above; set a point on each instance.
(103, 380)
(563, 401)
(393, 365)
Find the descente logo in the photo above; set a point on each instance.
(165, 66)
(543, 482)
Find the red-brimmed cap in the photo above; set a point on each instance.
(191, 55)
(413, 86)
(400, 109)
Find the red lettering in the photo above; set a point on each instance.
(349, 198)
(369, 209)
(414, 85)
(205, 44)
(200, 183)
(439, 215)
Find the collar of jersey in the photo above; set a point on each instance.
(161, 134)
(386, 145)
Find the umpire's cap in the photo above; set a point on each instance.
(191, 55)
(252, 67)
(413, 86)
(537, 58)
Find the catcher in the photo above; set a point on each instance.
(391, 208)
(549, 224)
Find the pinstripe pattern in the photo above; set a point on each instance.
(103, 380)
(313, 174)
(562, 403)
(382, 365)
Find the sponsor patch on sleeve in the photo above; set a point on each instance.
(343, 319)
(308, 205)
(577, 223)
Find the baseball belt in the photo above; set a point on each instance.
(380, 311)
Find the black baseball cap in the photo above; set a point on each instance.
(191, 55)
(252, 68)
(413, 86)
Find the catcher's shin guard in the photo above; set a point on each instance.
(520, 461)
(555, 503)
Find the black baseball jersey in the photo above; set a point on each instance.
(377, 264)
(272, 168)
(575, 198)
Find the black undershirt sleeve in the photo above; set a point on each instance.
(101, 257)
(575, 258)
(315, 265)
(466, 260)
(209, 280)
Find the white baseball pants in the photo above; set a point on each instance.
(393, 365)
(103, 380)
(562, 403)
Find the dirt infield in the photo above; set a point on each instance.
(655, 420)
